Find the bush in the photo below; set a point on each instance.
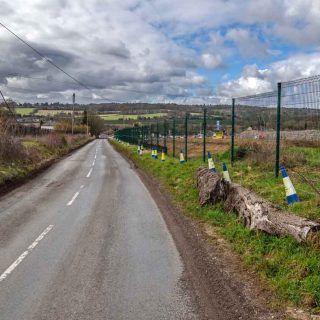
(11, 148)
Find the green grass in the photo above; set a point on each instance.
(260, 178)
(51, 113)
(290, 268)
(24, 111)
(117, 116)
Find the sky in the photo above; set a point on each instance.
(157, 51)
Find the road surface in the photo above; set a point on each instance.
(85, 240)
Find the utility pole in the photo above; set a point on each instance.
(73, 102)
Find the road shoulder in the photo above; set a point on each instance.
(223, 287)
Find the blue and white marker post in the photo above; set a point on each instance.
(226, 174)
(141, 151)
(181, 157)
(291, 193)
(138, 150)
(211, 165)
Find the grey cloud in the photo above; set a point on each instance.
(132, 45)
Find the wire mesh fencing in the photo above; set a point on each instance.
(190, 134)
(300, 131)
(254, 128)
(267, 130)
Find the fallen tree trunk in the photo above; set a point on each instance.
(255, 212)
(211, 189)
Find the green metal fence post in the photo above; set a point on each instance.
(157, 135)
(186, 138)
(165, 136)
(232, 131)
(204, 133)
(142, 135)
(277, 164)
(174, 138)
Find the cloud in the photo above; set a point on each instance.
(254, 80)
(211, 61)
(248, 44)
(133, 50)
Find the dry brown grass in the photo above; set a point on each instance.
(10, 147)
(195, 146)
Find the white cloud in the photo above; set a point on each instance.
(211, 61)
(254, 80)
(128, 50)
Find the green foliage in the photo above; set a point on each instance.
(292, 269)
(96, 125)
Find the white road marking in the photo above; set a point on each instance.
(82, 186)
(93, 163)
(24, 254)
(73, 198)
(95, 157)
(89, 173)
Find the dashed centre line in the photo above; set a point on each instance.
(73, 198)
(25, 253)
(89, 173)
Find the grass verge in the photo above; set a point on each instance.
(37, 153)
(290, 268)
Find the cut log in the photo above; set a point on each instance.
(211, 189)
(255, 212)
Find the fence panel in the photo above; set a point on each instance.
(255, 128)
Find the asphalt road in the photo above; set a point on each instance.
(85, 240)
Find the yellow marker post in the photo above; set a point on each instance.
(163, 156)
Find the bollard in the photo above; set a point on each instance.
(155, 153)
(291, 194)
(181, 157)
(163, 156)
(226, 174)
(211, 163)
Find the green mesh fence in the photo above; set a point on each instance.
(255, 129)
(300, 132)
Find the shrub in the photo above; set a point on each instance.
(11, 148)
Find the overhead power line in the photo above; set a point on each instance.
(18, 75)
(51, 62)
(43, 57)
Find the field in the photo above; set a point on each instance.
(290, 268)
(24, 111)
(116, 116)
(51, 113)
